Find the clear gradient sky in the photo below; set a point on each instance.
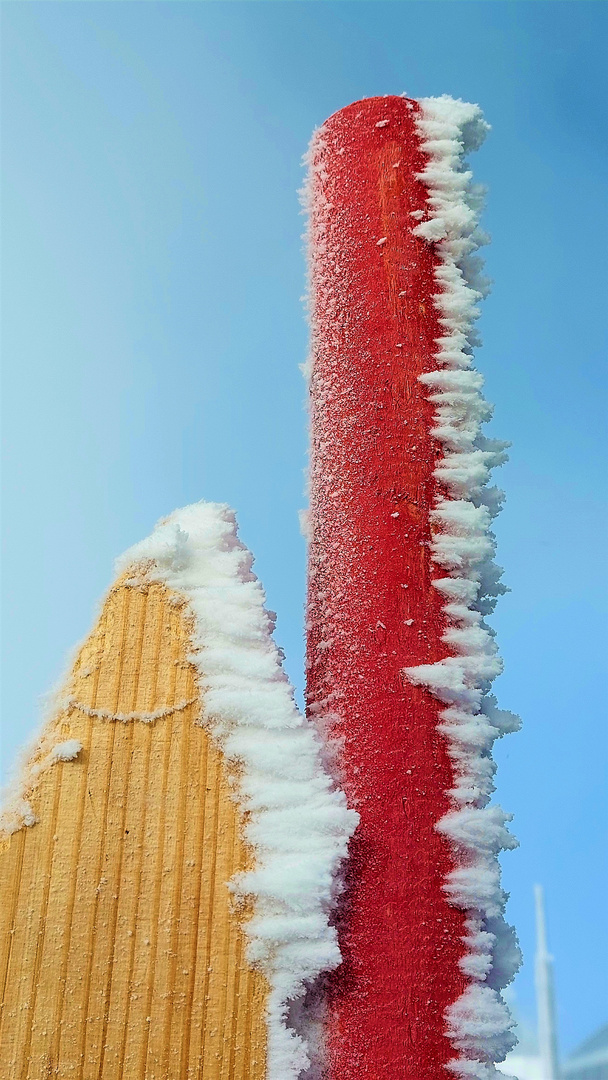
(153, 330)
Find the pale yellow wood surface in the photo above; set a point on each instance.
(121, 953)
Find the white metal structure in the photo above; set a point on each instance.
(545, 997)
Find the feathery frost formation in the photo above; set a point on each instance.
(297, 822)
(478, 1023)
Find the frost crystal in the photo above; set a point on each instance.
(478, 1023)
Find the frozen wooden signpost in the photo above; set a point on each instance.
(177, 901)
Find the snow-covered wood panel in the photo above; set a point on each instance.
(122, 954)
(172, 842)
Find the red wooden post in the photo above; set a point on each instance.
(372, 610)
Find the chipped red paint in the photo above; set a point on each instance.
(372, 609)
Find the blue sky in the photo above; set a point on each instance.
(153, 330)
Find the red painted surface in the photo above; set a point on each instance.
(372, 609)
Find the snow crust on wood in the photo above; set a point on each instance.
(297, 822)
(65, 751)
(126, 718)
(478, 1023)
(44, 751)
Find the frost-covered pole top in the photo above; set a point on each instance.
(401, 576)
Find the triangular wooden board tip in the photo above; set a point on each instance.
(121, 952)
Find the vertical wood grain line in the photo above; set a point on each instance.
(150, 731)
(177, 886)
(238, 964)
(233, 969)
(69, 909)
(14, 898)
(77, 850)
(248, 1026)
(141, 1066)
(124, 595)
(129, 754)
(209, 919)
(171, 828)
(227, 953)
(194, 949)
(48, 867)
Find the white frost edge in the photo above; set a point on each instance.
(44, 751)
(126, 718)
(479, 1024)
(297, 822)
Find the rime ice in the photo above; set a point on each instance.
(479, 1023)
